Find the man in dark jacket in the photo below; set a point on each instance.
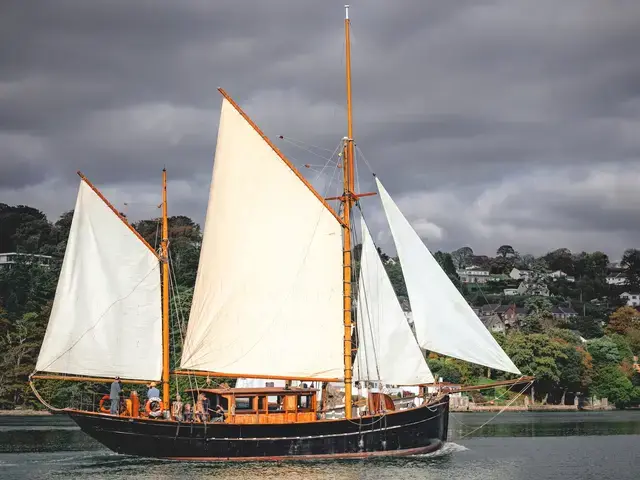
(114, 395)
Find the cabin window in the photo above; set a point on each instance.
(244, 405)
(275, 403)
(305, 403)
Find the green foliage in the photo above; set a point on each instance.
(588, 327)
(611, 383)
(394, 270)
(445, 368)
(506, 250)
(555, 357)
(604, 351)
(631, 263)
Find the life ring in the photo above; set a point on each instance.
(153, 407)
(104, 409)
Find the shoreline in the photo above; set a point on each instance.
(25, 413)
(536, 408)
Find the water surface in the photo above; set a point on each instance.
(512, 446)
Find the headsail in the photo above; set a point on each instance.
(106, 318)
(444, 321)
(268, 294)
(387, 350)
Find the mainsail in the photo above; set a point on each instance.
(106, 318)
(388, 351)
(444, 321)
(268, 294)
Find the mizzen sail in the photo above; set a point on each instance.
(444, 321)
(268, 294)
(106, 318)
(388, 351)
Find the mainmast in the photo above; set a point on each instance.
(348, 199)
(165, 293)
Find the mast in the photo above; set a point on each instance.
(165, 293)
(347, 201)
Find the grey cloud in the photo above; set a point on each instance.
(452, 99)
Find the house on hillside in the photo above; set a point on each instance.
(473, 275)
(563, 312)
(494, 324)
(632, 299)
(533, 289)
(617, 278)
(504, 318)
(488, 309)
(518, 274)
(9, 259)
(558, 274)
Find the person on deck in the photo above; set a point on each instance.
(153, 392)
(114, 395)
(188, 417)
(205, 407)
(218, 414)
(176, 409)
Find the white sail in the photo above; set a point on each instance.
(106, 318)
(444, 321)
(268, 294)
(388, 351)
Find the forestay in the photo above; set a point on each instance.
(388, 351)
(444, 321)
(268, 294)
(106, 318)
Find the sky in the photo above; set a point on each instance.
(489, 121)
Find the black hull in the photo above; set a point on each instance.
(407, 432)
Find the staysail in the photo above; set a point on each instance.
(444, 321)
(268, 294)
(388, 351)
(106, 318)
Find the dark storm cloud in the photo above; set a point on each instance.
(491, 121)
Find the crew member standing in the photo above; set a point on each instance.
(153, 392)
(114, 395)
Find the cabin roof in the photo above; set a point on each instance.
(256, 391)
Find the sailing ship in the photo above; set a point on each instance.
(272, 300)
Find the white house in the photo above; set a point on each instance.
(633, 299)
(616, 279)
(473, 275)
(9, 259)
(560, 274)
(518, 274)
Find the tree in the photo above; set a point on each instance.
(604, 352)
(560, 259)
(446, 263)
(623, 319)
(526, 261)
(396, 277)
(446, 368)
(461, 257)
(631, 264)
(539, 356)
(611, 383)
(505, 251)
(588, 327)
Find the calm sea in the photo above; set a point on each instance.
(528, 446)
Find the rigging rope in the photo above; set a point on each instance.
(495, 416)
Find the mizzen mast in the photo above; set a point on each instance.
(348, 199)
(165, 293)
